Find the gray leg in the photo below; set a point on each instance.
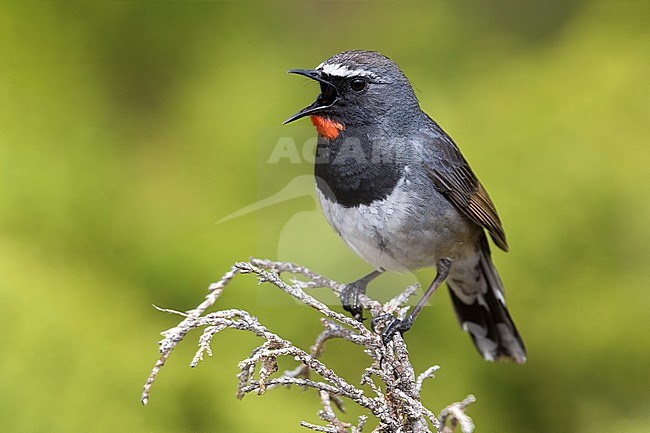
(402, 326)
(350, 294)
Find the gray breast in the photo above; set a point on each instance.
(411, 228)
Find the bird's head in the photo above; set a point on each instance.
(357, 88)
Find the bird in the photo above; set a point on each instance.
(396, 188)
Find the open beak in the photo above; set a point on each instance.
(325, 100)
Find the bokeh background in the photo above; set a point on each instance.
(129, 129)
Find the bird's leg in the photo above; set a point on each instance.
(402, 326)
(351, 291)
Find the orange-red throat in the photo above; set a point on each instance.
(327, 127)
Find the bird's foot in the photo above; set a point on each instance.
(350, 298)
(391, 326)
(351, 292)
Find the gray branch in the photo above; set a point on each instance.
(395, 400)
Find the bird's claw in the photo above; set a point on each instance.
(350, 300)
(392, 326)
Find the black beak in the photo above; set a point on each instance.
(325, 100)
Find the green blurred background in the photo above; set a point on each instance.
(128, 129)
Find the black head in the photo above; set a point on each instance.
(359, 88)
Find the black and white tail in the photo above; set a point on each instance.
(477, 294)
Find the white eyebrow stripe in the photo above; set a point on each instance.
(339, 70)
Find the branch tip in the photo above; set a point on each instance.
(395, 401)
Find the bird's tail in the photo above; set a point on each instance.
(477, 294)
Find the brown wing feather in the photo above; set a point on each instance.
(483, 209)
(459, 184)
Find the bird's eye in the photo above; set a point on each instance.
(358, 84)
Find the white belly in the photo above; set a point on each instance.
(405, 231)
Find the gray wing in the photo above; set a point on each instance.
(454, 178)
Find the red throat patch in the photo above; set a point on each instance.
(326, 127)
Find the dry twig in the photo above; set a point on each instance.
(395, 400)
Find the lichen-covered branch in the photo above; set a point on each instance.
(395, 391)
